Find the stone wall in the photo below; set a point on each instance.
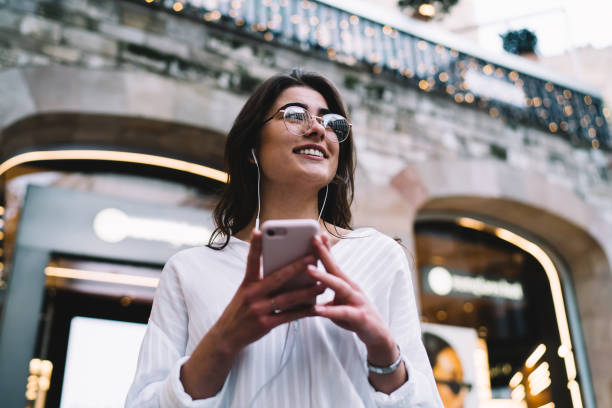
(415, 150)
(395, 125)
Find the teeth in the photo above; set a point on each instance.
(311, 152)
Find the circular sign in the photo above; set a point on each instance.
(111, 225)
(440, 280)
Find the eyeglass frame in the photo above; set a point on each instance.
(455, 386)
(311, 116)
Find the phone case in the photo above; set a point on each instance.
(285, 241)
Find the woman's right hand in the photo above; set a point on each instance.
(256, 308)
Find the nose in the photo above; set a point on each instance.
(316, 129)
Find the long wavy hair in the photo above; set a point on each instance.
(238, 203)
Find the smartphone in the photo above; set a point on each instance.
(286, 241)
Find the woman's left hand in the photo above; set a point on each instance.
(351, 309)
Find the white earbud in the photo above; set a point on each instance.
(258, 193)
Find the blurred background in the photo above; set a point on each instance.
(483, 143)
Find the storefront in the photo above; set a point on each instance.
(82, 270)
(517, 296)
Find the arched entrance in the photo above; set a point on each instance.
(477, 273)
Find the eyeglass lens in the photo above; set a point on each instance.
(298, 121)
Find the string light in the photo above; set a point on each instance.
(332, 27)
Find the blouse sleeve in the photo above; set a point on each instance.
(420, 390)
(162, 353)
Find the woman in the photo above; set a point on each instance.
(447, 370)
(221, 335)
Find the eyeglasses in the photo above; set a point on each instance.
(299, 121)
(455, 386)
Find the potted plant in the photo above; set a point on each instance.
(520, 42)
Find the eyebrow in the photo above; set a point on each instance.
(322, 111)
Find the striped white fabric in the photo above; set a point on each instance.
(308, 363)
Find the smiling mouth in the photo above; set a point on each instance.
(310, 152)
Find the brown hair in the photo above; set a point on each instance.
(238, 201)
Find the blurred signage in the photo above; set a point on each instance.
(441, 281)
(113, 225)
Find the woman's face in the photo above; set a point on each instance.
(448, 368)
(286, 158)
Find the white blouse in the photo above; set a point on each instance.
(307, 363)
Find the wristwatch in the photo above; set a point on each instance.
(388, 369)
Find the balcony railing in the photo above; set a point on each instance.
(348, 38)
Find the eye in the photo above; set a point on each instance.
(295, 114)
(337, 123)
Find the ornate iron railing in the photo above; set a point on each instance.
(351, 39)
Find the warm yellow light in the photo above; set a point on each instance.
(427, 10)
(516, 379)
(539, 379)
(549, 405)
(535, 356)
(518, 394)
(558, 302)
(354, 20)
(565, 349)
(178, 6)
(575, 393)
(1, 211)
(110, 155)
(123, 279)
(471, 223)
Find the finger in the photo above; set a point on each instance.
(254, 258)
(342, 289)
(275, 280)
(287, 300)
(344, 313)
(323, 253)
(291, 315)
